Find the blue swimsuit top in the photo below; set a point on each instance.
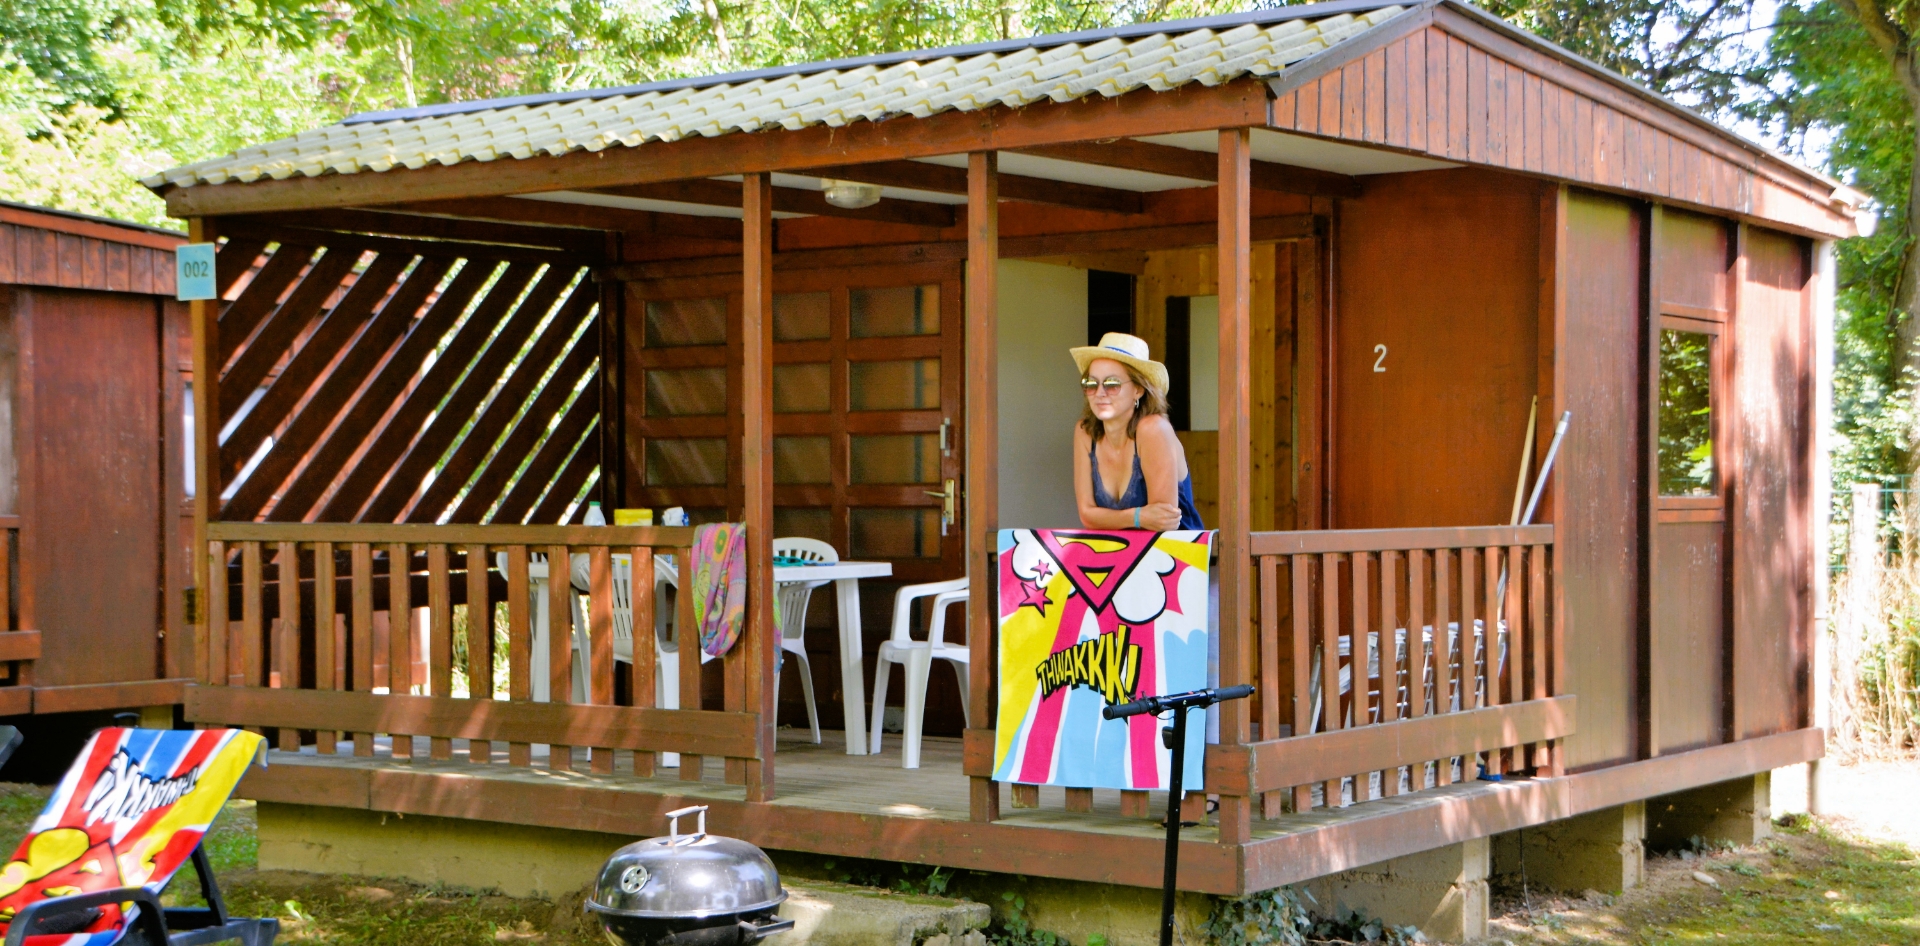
(1135, 495)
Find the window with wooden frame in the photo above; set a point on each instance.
(1687, 445)
(867, 392)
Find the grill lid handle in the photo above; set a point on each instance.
(676, 839)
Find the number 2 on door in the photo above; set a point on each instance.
(1380, 363)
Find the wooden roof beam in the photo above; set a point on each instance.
(799, 200)
(941, 179)
(551, 213)
(1135, 155)
(439, 228)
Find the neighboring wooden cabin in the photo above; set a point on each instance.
(93, 361)
(1377, 232)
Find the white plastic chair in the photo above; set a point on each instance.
(794, 597)
(916, 658)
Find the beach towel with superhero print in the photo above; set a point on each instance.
(128, 813)
(1091, 618)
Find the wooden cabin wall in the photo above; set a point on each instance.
(1686, 635)
(92, 481)
(1599, 476)
(1772, 391)
(1442, 268)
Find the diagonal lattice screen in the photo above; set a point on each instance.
(366, 379)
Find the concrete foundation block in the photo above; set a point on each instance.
(1601, 850)
(1443, 892)
(1738, 812)
(828, 914)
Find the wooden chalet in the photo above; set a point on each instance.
(93, 491)
(1369, 236)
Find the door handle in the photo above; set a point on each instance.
(947, 499)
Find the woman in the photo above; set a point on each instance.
(1129, 470)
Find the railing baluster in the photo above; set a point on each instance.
(6, 578)
(1360, 659)
(688, 637)
(325, 655)
(1443, 646)
(1543, 753)
(1300, 575)
(439, 635)
(1330, 658)
(1496, 664)
(251, 614)
(400, 635)
(1389, 650)
(600, 639)
(559, 644)
(286, 649)
(1517, 645)
(1416, 656)
(1270, 684)
(362, 634)
(219, 598)
(519, 643)
(479, 643)
(641, 671)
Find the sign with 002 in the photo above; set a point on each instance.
(193, 272)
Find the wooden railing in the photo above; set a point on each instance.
(264, 666)
(1394, 660)
(19, 640)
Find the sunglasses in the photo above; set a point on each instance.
(1110, 385)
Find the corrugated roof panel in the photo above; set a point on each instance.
(970, 79)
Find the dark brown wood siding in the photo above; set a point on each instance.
(1442, 268)
(1772, 385)
(1599, 478)
(36, 255)
(1460, 91)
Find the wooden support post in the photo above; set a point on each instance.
(204, 316)
(756, 458)
(1236, 475)
(983, 450)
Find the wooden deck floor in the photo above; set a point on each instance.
(828, 802)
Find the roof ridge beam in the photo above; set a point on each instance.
(1135, 155)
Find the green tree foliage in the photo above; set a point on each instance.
(1834, 89)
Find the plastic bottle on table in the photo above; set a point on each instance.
(594, 517)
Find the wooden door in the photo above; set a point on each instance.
(867, 407)
(89, 432)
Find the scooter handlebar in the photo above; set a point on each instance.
(1155, 705)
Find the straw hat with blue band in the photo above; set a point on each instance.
(1129, 350)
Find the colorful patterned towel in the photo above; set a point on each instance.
(719, 584)
(129, 812)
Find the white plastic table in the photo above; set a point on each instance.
(846, 583)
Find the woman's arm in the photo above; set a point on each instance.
(1161, 459)
(1093, 516)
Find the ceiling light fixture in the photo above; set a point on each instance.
(851, 195)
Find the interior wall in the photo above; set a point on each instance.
(1043, 312)
(1442, 269)
(1203, 361)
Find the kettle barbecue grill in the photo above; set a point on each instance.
(689, 890)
